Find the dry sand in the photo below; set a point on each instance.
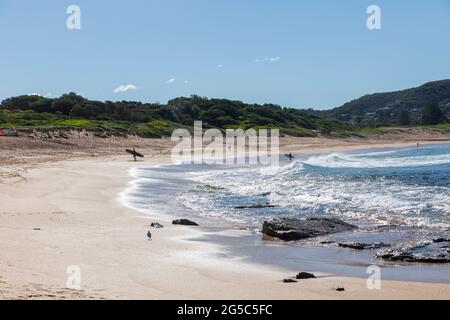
(60, 207)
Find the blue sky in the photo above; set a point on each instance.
(294, 53)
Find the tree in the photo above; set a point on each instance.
(20, 102)
(403, 118)
(80, 112)
(42, 105)
(432, 114)
(65, 103)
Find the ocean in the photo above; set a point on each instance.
(407, 188)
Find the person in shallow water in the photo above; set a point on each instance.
(290, 156)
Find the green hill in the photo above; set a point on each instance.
(386, 108)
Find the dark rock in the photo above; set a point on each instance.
(355, 246)
(156, 225)
(364, 246)
(258, 206)
(184, 222)
(431, 252)
(339, 289)
(305, 275)
(407, 257)
(291, 229)
(290, 281)
(441, 240)
(149, 235)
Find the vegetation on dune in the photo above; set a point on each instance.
(426, 105)
(154, 120)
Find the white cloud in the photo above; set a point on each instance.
(125, 88)
(31, 94)
(220, 66)
(187, 82)
(170, 81)
(268, 59)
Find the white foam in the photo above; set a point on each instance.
(364, 194)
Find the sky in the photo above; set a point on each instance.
(304, 54)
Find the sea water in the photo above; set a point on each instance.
(408, 188)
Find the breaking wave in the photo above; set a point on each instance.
(403, 187)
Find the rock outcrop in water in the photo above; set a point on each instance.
(428, 252)
(256, 206)
(291, 229)
(441, 240)
(363, 246)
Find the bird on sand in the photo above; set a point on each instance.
(149, 235)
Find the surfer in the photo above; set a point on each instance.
(290, 156)
(135, 154)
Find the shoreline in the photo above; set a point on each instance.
(68, 213)
(241, 239)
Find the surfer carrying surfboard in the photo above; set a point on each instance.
(290, 156)
(135, 154)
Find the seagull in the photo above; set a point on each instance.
(149, 235)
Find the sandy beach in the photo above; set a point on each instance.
(224, 150)
(60, 207)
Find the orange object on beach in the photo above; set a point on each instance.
(8, 132)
